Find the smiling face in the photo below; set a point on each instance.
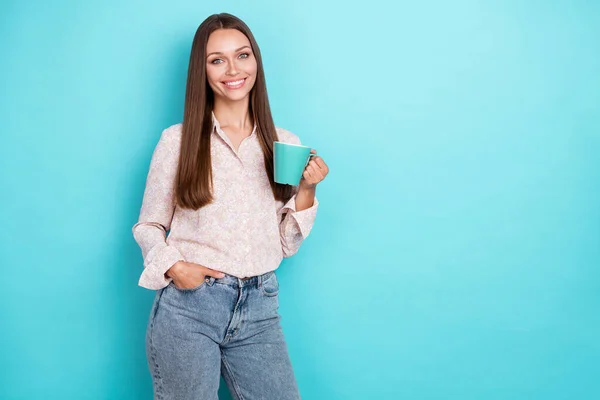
(230, 65)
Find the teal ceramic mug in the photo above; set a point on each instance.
(290, 161)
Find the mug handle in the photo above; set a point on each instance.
(309, 157)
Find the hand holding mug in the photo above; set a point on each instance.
(295, 164)
(316, 170)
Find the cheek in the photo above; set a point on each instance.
(252, 73)
(212, 75)
(251, 70)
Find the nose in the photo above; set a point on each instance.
(232, 69)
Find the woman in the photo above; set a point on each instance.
(211, 186)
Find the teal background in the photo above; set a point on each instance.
(457, 249)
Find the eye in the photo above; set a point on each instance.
(216, 61)
(244, 55)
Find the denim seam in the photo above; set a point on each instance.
(155, 369)
(270, 294)
(235, 385)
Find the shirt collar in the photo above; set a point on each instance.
(217, 126)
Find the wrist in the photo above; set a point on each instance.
(307, 188)
(305, 197)
(173, 272)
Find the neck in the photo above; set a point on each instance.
(235, 114)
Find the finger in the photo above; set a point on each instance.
(319, 161)
(307, 176)
(320, 173)
(323, 170)
(319, 165)
(315, 175)
(307, 172)
(313, 162)
(313, 151)
(214, 273)
(312, 171)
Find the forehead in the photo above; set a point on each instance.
(226, 40)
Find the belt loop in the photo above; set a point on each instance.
(260, 280)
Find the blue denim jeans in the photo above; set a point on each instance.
(228, 327)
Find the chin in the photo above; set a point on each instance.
(236, 97)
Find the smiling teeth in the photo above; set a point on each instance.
(234, 83)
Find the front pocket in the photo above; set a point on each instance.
(270, 287)
(172, 284)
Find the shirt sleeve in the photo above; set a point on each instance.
(156, 214)
(295, 225)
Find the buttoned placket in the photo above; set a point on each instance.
(245, 179)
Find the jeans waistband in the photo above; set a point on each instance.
(239, 282)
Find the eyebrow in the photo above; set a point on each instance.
(218, 52)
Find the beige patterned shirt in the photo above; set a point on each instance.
(244, 232)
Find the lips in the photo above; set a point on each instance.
(234, 84)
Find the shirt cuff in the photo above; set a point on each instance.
(158, 262)
(305, 218)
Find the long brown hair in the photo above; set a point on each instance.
(194, 172)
